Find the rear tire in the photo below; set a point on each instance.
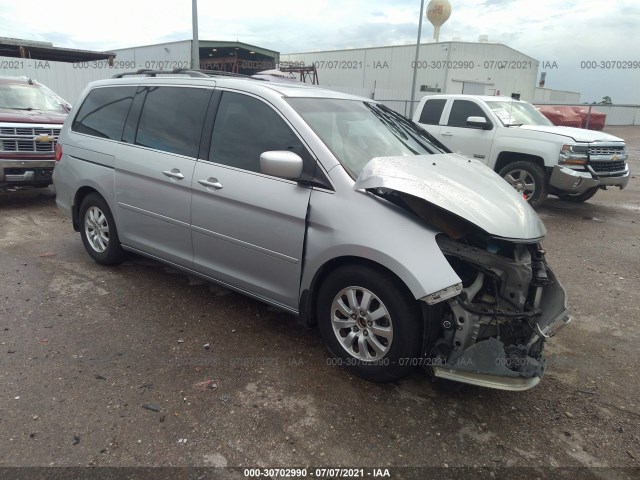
(528, 179)
(580, 197)
(369, 322)
(98, 231)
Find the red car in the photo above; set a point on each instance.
(31, 117)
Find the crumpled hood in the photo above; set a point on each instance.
(460, 185)
(577, 134)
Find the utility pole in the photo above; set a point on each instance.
(195, 45)
(415, 64)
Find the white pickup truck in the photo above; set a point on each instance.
(526, 149)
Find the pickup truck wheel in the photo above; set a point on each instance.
(371, 325)
(98, 231)
(528, 180)
(580, 197)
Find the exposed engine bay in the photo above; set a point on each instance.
(510, 304)
(493, 333)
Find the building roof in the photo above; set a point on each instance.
(488, 45)
(19, 48)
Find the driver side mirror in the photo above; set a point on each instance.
(282, 164)
(479, 122)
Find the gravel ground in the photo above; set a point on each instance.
(107, 366)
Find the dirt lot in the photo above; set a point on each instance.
(85, 347)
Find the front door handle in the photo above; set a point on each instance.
(447, 134)
(211, 182)
(174, 173)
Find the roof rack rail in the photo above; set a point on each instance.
(152, 73)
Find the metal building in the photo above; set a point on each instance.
(68, 71)
(235, 57)
(385, 73)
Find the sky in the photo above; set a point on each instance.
(606, 35)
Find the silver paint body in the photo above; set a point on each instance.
(250, 231)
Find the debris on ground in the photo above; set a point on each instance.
(206, 384)
(154, 407)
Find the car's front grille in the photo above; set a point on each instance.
(611, 150)
(607, 167)
(28, 139)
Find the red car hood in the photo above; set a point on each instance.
(30, 116)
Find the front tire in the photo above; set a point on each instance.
(98, 231)
(369, 322)
(528, 179)
(580, 197)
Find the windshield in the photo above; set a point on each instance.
(357, 131)
(517, 113)
(28, 97)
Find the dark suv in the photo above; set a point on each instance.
(31, 117)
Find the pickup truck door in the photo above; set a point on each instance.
(459, 137)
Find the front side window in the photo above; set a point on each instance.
(104, 112)
(513, 113)
(246, 127)
(172, 119)
(357, 131)
(461, 110)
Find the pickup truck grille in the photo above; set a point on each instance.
(606, 150)
(23, 139)
(607, 167)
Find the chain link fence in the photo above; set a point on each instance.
(591, 116)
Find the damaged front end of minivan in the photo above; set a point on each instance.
(493, 333)
(490, 328)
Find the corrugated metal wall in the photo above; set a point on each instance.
(69, 79)
(66, 79)
(548, 95)
(446, 66)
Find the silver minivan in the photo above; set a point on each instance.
(326, 205)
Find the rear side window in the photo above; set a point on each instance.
(463, 109)
(172, 119)
(104, 112)
(432, 111)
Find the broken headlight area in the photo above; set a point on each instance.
(493, 333)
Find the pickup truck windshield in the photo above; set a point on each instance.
(28, 97)
(517, 113)
(357, 131)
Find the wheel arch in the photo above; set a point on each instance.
(80, 195)
(308, 296)
(507, 157)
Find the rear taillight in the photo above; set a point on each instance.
(58, 152)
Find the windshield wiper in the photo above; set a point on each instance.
(515, 124)
(21, 108)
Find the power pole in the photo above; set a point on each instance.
(415, 64)
(195, 45)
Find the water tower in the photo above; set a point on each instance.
(438, 12)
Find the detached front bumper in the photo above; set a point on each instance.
(576, 182)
